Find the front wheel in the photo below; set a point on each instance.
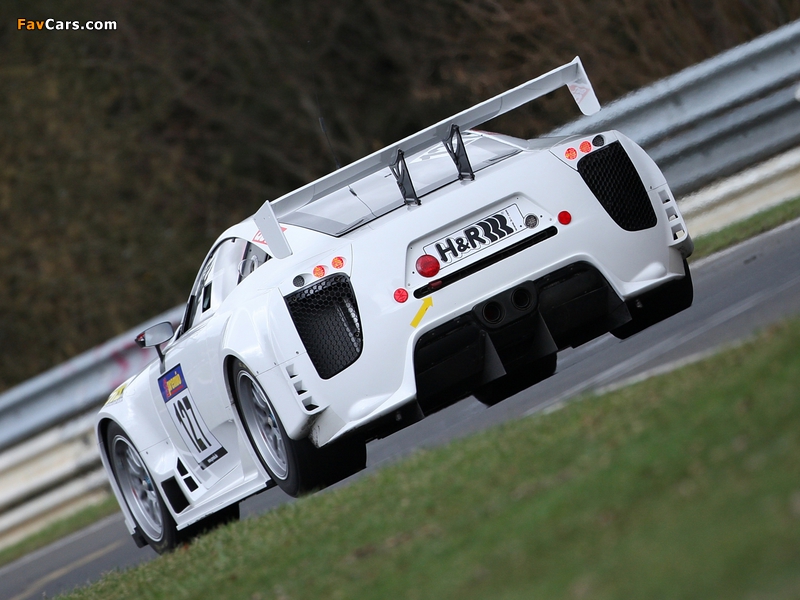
(144, 502)
(297, 466)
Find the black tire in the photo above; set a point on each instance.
(658, 304)
(154, 523)
(297, 466)
(512, 383)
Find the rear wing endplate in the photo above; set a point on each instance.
(571, 75)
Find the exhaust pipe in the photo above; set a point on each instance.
(507, 306)
(521, 298)
(493, 312)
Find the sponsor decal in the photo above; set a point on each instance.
(477, 236)
(258, 238)
(116, 395)
(171, 383)
(183, 412)
(578, 91)
(214, 457)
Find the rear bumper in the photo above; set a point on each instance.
(454, 351)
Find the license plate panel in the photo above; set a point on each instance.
(479, 235)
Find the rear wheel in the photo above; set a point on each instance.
(297, 466)
(153, 520)
(512, 383)
(658, 304)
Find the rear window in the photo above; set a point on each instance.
(375, 195)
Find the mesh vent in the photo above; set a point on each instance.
(613, 179)
(326, 317)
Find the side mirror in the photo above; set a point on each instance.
(155, 335)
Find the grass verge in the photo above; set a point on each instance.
(738, 232)
(59, 529)
(682, 486)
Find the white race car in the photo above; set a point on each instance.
(452, 263)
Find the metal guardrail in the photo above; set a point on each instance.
(49, 461)
(706, 122)
(75, 386)
(44, 475)
(714, 118)
(740, 196)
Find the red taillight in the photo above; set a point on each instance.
(319, 271)
(586, 147)
(564, 218)
(427, 265)
(400, 295)
(338, 262)
(571, 154)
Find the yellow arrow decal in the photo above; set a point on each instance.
(426, 304)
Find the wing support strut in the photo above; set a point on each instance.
(454, 144)
(458, 152)
(400, 171)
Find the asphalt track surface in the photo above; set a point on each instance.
(737, 293)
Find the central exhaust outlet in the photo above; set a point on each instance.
(493, 312)
(508, 306)
(521, 298)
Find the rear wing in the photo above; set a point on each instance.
(446, 132)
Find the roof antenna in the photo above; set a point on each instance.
(330, 146)
(325, 131)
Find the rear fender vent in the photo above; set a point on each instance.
(327, 319)
(614, 181)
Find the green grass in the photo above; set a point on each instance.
(682, 486)
(59, 529)
(738, 232)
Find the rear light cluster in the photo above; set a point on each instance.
(337, 262)
(585, 147)
(400, 295)
(318, 272)
(427, 265)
